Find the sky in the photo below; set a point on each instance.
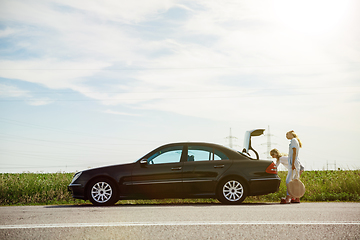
(93, 83)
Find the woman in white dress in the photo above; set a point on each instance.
(291, 162)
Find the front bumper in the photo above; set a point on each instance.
(77, 191)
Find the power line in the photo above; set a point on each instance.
(250, 95)
(25, 124)
(190, 91)
(81, 143)
(175, 68)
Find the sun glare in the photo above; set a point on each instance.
(311, 16)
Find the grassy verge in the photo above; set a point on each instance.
(35, 189)
(51, 188)
(321, 186)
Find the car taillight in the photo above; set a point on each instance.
(271, 169)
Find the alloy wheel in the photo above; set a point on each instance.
(101, 192)
(233, 190)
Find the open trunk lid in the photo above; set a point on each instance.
(247, 140)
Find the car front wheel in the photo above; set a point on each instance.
(102, 192)
(231, 191)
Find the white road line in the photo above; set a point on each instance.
(135, 224)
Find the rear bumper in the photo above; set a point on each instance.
(264, 186)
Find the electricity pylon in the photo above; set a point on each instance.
(231, 137)
(268, 143)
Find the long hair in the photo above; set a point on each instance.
(296, 136)
(277, 153)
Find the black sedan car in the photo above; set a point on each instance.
(179, 170)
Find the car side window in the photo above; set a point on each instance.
(203, 153)
(218, 155)
(199, 155)
(166, 155)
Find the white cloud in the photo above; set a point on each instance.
(245, 48)
(229, 63)
(129, 11)
(9, 93)
(7, 90)
(39, 102)
(51, 73)
(38, 10)
(109, 111)
(7, 32)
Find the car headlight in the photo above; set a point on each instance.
(76, 176)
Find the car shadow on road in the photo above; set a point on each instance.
(89, 205)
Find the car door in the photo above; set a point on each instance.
(201, 170)
(158, 175)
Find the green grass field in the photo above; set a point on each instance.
(51, 188)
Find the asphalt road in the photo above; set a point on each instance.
(195, 221)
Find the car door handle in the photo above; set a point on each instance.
(176, 168)
(219, 166)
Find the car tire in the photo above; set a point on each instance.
(102, 192)
(231, 191)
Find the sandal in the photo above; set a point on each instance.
(284, 201)
(295, 200)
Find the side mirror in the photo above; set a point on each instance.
(143, 161)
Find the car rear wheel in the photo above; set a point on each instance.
(102, 192)
(232, 191)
